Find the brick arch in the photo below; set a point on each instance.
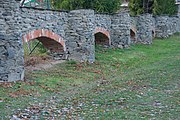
(132, 35)
(44, 33)
(153, 33)
(103, 31)
(133, 29)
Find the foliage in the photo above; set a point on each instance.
(164, 7)
(109, 6)
(156, 7)
(40, 49)
(136, 7)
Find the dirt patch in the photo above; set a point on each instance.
(34, 60)
(40, 63)
(20, 92)
(7, 85)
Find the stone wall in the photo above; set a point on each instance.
(103, 21)
(32, 19)
(162, 26)
(116, 27)
(120, 30)
(74, 31)
(11, 52)
(102, 29)
(166, 25)
(80, 35)
(144, 29)
(49, 23)
(76, 28)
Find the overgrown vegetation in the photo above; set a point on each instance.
(156, 7)
(137, 7)
(141, 82)
(109, 6)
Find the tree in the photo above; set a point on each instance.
(167, 7)
(136, 7)
(109, 6)
(140, 6)
(156, 7)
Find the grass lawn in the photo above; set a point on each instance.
(142, 82)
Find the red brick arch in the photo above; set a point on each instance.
(102, 30)
(43, 33)
(133, 29)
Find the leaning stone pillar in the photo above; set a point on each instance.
(80, 35)
(11, 50)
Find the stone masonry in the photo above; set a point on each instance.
(11, 50)
(120, 30)
(166, 25)
(144, 29)
(80, 35)
(71, 33)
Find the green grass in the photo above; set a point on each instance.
(39, 50)
(141, 82)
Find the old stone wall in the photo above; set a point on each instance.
(103, 21)
(120, 30)
(74, 31)
(32, 19)
(102, 29)
(166, 25)
(11, 52)
(116, 27)
(144, 29)
(162, 26)
(76, 28)
(173, 24)
(80, 35)
(49, 23)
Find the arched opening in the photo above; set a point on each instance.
(41, 46)
(132, 35)
(153, 34)
(52, 45)
(102, 37)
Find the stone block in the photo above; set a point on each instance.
(11, 53)
(14, 77)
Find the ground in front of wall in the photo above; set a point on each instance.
(141, 82)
